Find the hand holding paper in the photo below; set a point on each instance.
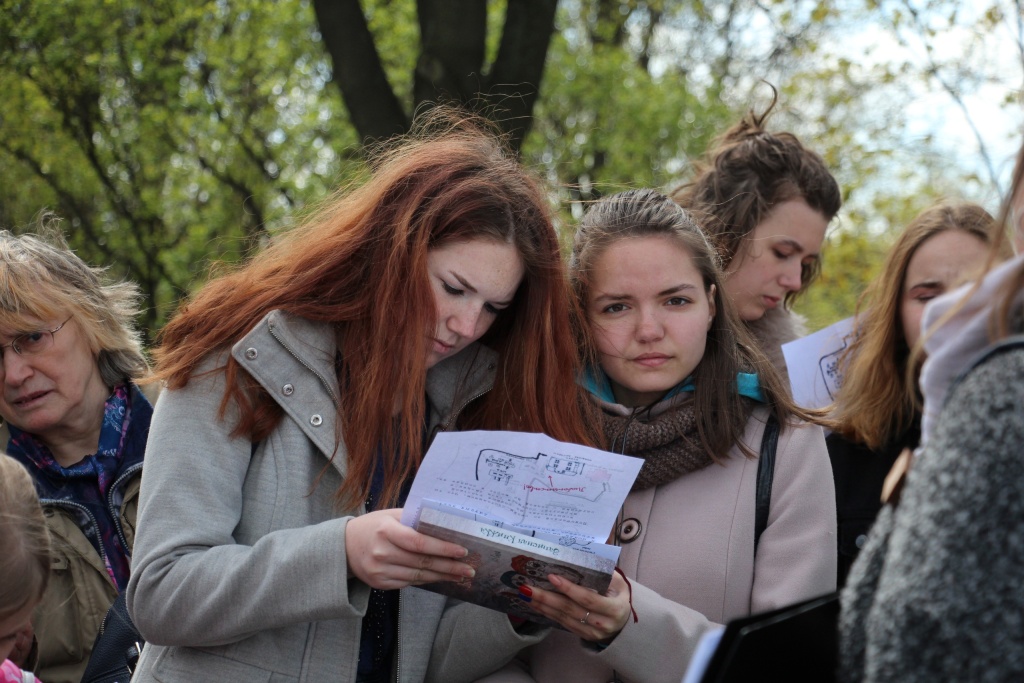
(385, 554)
(526, 507)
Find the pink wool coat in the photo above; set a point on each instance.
(692, 566)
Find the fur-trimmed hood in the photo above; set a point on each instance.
(778, 326)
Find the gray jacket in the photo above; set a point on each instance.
(937, 592)
(239, 572)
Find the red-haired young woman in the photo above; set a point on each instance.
(302, 391)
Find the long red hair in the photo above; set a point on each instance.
(360, 263)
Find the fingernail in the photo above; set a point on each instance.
(470, 573)
(555, 580)
(526, 591)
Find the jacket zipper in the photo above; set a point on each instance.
(117, 513)
(92, 519)
(323, 380)
(455, 413)
(334, 399)
(398, 627)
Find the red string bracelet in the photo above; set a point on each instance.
(630, 587)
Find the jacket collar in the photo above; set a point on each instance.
(597, 384)
(455, 381)
(953, 347)
(293, 359)
(776, 327)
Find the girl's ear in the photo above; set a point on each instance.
(711, 306)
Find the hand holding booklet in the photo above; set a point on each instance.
(525, 506)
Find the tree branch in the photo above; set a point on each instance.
(934, 70)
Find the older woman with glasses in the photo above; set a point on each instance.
(73, 416)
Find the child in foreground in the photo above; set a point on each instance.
(24, 561)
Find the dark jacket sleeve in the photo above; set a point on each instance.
(859, 474)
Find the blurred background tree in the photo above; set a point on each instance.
(172, 135)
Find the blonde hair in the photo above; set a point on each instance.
(24, 540)
(1008, 311)
(41, 278)
(878, 398)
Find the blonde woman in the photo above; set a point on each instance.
(936, 593)
(876, 412)
(72, 414)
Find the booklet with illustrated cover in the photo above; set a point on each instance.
(505, 560)
(525, 506)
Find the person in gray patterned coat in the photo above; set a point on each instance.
(938, 591)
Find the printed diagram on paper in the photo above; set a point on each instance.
(507, 468)
(813, 364)
(528, 481)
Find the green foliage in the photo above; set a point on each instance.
(850, 260)
(396, 33)
(636, 132)
(172, 134)
(168, 134)
(608, 119)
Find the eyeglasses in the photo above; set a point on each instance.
(31, 343)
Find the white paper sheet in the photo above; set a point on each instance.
(527, 480)
(813, 364)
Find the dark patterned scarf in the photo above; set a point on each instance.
(88, 486)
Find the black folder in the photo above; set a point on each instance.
(796, 642)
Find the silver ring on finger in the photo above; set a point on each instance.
(584, 619)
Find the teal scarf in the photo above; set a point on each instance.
(596, 381)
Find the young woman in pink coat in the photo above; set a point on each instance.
(676, 380)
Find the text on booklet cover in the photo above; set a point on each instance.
(526, 506)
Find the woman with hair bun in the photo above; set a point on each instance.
(766, 201)
(302, 392)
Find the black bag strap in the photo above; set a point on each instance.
(765, 476)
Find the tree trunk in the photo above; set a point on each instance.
(375, 111)
(453, 34)
(514, 81)
(450, 67)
